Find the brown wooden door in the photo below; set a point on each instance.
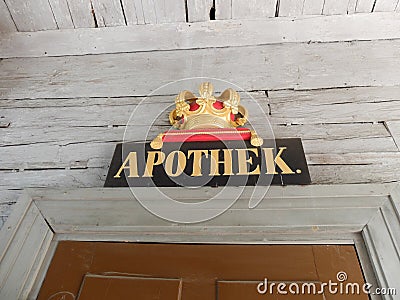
(103, 270)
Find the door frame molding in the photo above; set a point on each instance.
(365, 215)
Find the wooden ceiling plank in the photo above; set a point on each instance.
(313, 7)
(108, 13)
(351, 7)
(55, 178)
(201, 35)
(64, 134)
(98, 154)
(164, 11)
(169, 11)
(199, 10)
(385, 5)
(223, 9)
(253, 9)
(335, 7)
(149, 12)
(6, 22)
(377, 172)
(295, 112)
(61, 13)
(318, 108)
(290, 8)
(31, 15)
(133, 11)
(364, 6)
(268, 67)
(82, 13)
(338, 96)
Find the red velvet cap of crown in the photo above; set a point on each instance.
(207, 135)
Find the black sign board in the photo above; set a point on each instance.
(217, 163)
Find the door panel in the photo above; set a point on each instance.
(123, 287)
(206, 271)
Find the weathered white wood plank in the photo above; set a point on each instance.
(290, 8)
(368, 158)
(90, 177)
(346, 112)
(313, 7)
(149, 12)
(347, 174)
(304, 202)
(274, 199)
(337, 96)
(129, 215)
(61, 13)
(31, 15)
(286, 107)
(13, 223)
(199, 10)
(351, 6)
(38, 265)
(24, 247)
(133, 10)
(305, 199)
(79, 155)
(385, 5)
(353, 167)
(170, 11)
(299, 66)
(29, 257)
(335, 7)
(276, 192)
(321, 96)
(108, 13)
(364, 6)
(6, 22)
(391, 213)
(64, 135)
(378, 145)
(223, 9)
(53, 156)
(82, 13)
(87, 102)
(199, 35)
(325, 169)
(163, 11)
(80, 116)
(253, 9)
(394, 129)
(377, 172)
(98, 154)
(383, 249)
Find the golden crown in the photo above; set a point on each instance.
(192, 113)
(208, 111)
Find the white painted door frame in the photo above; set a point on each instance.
(365, 215)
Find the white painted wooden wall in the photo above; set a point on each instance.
(34, 15)
(66, 95)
